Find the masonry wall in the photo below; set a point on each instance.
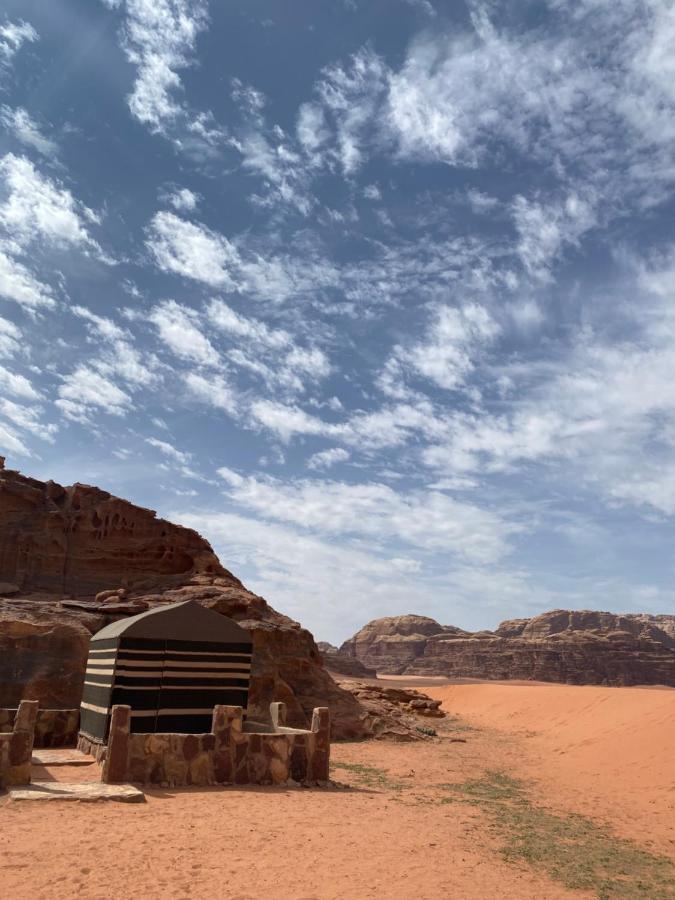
(230, 754)
(16, 746)
(53, 727)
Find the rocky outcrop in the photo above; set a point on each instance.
(392, 644)
(394, 714)
(343, 663)
(79, 540)
(572, 647)
(61, 547)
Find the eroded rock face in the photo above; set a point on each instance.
(392, 644)
(573, 647)
(64, 546)
(341, 663)
(79, 540)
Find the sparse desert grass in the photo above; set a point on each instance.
(369, 776)
(571, 849)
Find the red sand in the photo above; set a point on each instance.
(606, 752)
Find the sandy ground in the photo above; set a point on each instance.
(393, 839)
(608, 753)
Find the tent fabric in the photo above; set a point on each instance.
(160, 665)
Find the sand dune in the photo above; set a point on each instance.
(605, 752)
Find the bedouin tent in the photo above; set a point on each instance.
(171, 665)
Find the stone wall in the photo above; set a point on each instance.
(232, 753)
(16, 746)
(53, 727)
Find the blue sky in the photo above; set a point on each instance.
(378, 296)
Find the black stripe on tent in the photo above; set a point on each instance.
(207, 658)
(184, 724)
(98, 696)
(135, 699)
(204, 682)
(94, 724)
(194, 698)
(132, 681)
(141, 644)
(209, 646)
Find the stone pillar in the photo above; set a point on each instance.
(116, 762)
(320, 757)
(227, 730)
(21, 743)
(278, 715)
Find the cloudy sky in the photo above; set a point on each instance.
(378, 295)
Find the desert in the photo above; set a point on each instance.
(337, 449)
(456, 785)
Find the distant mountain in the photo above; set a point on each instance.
(572, 647)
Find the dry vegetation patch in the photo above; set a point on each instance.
(573, 850)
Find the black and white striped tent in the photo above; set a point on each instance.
(171, 665)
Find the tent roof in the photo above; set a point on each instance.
(188, 621)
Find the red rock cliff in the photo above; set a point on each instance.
(79, 540)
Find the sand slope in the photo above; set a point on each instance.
(606, 752)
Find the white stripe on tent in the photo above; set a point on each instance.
(97, 709)
(99, 671)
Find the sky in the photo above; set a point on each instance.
(377, 295)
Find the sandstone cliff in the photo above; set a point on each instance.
(60, 546)
(392, 644)
(573, 647)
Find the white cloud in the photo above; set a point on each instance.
(17, 385)
(85, 391)
(105, 327)
(183, 200)
(11, 442)
(428, 520)
(178, 328)
(20, 285)
(455, 338)
(213, 391)
(544, 229)
(26, 130)
(160, 37)
(252, 330)
(191, 250)
(12, 36)
(169, 450)
(36, 208)
(9, 338)
(28, 418)
(327, 458)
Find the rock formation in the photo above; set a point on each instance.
(573, 647)
(392, 644)
(340, 663)
(394, 713)
(60, 547)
